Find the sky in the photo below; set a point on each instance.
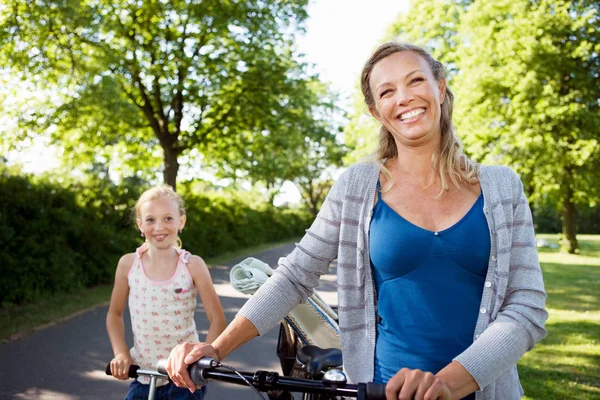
(340, 35)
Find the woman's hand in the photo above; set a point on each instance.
(119, 366)
(415, 384)
(182, 356)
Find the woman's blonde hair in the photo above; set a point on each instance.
(163, 191)
(452, 162)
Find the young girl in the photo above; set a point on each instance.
(160, 281)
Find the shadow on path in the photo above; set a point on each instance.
(67, 361)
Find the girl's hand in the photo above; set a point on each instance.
(180, 359)
(415, 384)
(119, 366)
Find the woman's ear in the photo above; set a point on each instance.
(375, 113)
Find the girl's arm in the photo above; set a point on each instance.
(119, 365)
(208, 296)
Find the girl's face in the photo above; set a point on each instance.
(407, 98)
(160, 222)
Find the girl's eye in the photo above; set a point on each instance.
(169, 218)
(149, 220)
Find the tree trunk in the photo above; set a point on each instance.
(569, 240)
(171, 168)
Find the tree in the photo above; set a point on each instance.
(171, 75)
(529, 95)
(526, 75)
(295, 143)
(431, 24)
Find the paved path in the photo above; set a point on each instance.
(67, 361)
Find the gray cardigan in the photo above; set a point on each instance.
(512, 310)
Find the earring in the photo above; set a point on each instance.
(142, 234)
(181, 230)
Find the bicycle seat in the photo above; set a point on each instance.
(316, 359)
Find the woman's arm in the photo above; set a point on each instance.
(210, 300)
(298, 274)
(119, 365)
(292, 282)
(460, 382)
(238, 332)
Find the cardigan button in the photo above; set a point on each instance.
(488, 284)
(493, 258)
(482, 310)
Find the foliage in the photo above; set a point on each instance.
(57, 239)
(141, 81)
(361, 135)
(526, 76)
(298, 152)
(528, 95)
(547, 217)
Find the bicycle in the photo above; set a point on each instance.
(135, 372)
(332, 383)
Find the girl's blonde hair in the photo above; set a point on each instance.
(163, 191)
(452, 162)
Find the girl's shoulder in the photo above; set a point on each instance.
(194, 262)
(126, 262)
(197, 268)
(128, 258)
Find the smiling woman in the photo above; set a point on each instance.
(440, 291)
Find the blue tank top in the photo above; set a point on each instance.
(429, 287)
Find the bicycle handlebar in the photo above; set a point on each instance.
(207, 369)
(132, 373)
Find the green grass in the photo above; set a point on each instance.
(18, 321)
(566, 364)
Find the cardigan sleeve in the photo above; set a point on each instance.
(298, 274)
(522, 315)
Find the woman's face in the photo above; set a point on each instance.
(407, 98)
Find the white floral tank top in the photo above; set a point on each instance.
(162, 312)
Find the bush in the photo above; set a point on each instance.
(57, 239)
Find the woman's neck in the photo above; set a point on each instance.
(415, 163)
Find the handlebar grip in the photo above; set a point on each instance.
(375, 391)
(132, 373)
(161, 366)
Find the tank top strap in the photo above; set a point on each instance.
(184, 256)
(137, 259)
(141, 250)
(378, 190)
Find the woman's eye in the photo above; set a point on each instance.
(385, 92)
(419, 79)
